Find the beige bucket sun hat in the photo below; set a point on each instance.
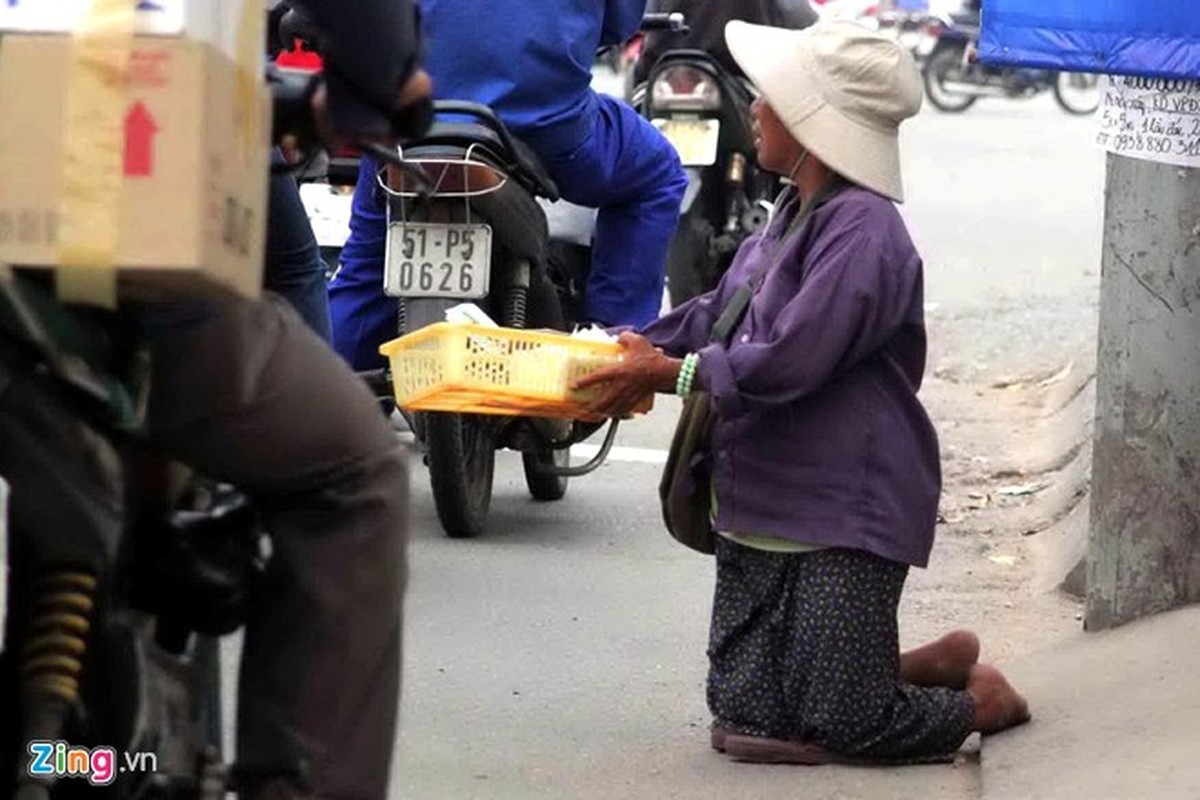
(840, 88)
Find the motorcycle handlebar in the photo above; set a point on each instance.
(291, 100)
(291, 96)
(292, 93)
(295, 26)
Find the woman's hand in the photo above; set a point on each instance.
(620, 388)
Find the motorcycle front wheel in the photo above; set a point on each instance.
(543, 484)
(1077, 93)
(462, 463)
(946, 65)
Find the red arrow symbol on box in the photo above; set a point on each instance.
(140, 129)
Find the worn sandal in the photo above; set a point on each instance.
(764, 750)
(761, 750)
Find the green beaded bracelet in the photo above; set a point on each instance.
(687, 374)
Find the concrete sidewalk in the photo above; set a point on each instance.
(1116, 715)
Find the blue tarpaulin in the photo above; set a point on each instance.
(1155, 38)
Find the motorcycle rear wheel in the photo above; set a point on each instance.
(945, 63)
(462, 463)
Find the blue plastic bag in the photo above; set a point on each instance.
(1154, 38)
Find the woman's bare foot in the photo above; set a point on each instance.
(997, 704)
(944, 662)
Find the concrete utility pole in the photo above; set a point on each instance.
(1144, 543)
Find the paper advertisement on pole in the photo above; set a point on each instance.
(1153, 119)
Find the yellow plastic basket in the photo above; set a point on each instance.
(473, 369)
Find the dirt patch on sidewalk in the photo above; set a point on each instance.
(1016, 458)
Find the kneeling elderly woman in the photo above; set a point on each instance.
(824, 465)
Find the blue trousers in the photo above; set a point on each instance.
(623, 167)
(294, 268)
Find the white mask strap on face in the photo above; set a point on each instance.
(796, 167)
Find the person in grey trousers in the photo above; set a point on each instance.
(245, 392)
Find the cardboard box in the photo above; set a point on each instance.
(181, 143)
(215, 22)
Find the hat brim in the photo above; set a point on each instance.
(864, 154)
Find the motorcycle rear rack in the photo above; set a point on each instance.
(492, 175)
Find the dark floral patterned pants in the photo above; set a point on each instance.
(805, 645)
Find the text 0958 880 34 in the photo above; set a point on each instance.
(1151, 119)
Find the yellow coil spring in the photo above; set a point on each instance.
(52, 658)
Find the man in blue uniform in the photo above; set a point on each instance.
(530, 60)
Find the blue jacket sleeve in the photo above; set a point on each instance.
(851, 302)
(370, 48)
(364, 251)
(688, 328)
(622, 19)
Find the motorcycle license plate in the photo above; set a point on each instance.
(426, 259)
(328, 210)
(694, 139)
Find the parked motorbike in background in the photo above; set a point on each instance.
(704, 111)
(955, 80)
(908, 27)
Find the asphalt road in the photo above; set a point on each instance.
(561, 655)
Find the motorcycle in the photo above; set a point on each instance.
(955, 80)
(119, 588)
(488, 228)
(704, 111)
(117, 575)
(481, 236)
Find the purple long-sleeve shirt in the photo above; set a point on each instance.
(819, 435)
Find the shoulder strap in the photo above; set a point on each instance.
(731, 315)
